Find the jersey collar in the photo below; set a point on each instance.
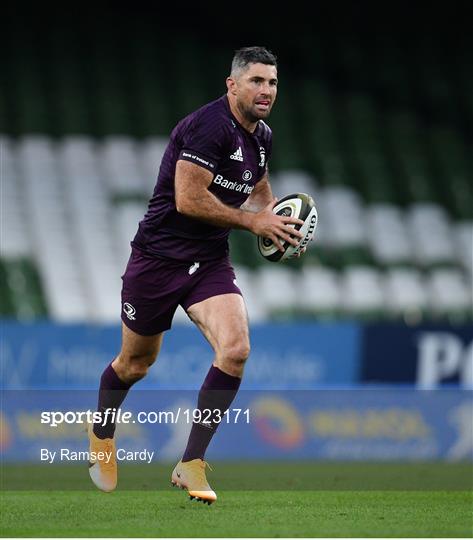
(229, 111)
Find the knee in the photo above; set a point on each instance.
(132, 368)
(236, 354)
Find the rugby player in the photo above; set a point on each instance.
(213, 177)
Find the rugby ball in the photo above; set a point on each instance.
(299, 205)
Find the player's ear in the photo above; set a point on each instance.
(231, 85)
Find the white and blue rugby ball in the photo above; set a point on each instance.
(298, 205)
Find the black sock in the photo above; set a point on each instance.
(217, 393)
(112, 392)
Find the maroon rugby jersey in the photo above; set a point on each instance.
(212, 138)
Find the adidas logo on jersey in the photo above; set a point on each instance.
(237, 155)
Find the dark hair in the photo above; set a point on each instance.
(252, 55)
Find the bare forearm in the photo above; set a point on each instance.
(203, 205)
(256, 204)
(195, 200)
(259, 198)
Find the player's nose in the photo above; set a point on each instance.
(264, 95)
(265, 89)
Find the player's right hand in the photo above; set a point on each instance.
(267, 224)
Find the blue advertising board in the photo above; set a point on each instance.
(426, 355)
(364, 424)
(47, 355)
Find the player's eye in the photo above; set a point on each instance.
(258, 81)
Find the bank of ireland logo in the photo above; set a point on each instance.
(129, 311)
(262, 156)
(247, 175)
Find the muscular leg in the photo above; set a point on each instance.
(223, 321)
(137, 354)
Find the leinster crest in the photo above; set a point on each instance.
(262, 156)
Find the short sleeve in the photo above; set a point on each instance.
(205, 142)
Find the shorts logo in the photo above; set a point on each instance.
(129, 311)
(247, 175)
(193, 268)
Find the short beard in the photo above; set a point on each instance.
(250, 117)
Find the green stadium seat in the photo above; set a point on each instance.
(147, 64)
(244, 249)
(7, 308)
(25, 288)
(455, 171)
(463, 238)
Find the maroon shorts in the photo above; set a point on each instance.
(154, 287)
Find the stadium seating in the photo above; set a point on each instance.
(449, 293)
(70, 216)
(406, 295)
(430, 233)
(388, 158)
(362, 292)
(387, 235)
(319, 292)
(463, 236)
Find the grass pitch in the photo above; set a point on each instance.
(343, 506)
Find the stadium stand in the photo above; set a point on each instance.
(387, 156)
